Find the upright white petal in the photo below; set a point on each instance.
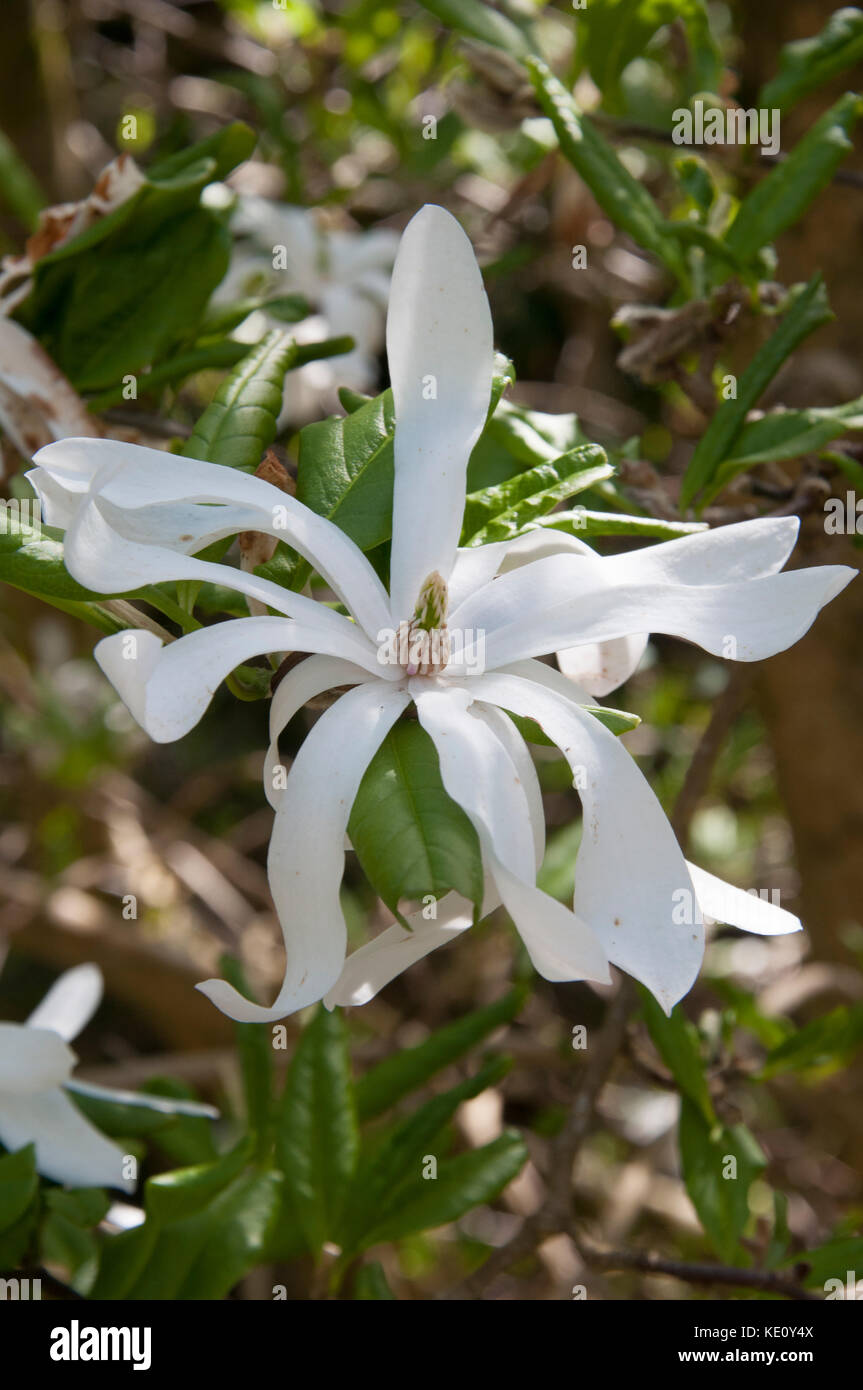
(631, 880)
(31, 1059)
(306, 858)
(439, 340)
(725, 903)
(476, 565)
(168, 687)
(68, 1148)
(480, 776)
(70, 1003)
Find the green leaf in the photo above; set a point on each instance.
(498, 513)
(807, 310)
(810, 63)
(411, 838)
(787, 434)
(19, 189)
(478, 21)
(371, 1284)
(582, 522)
(118, 296)
(717, 1187)
(239, 424)
(617, 31)
(345, 469)
(317, 1141)
(254, 1045)
(833, 1260)
(626, 201)
(780, 200)
(677, 1042)
(825, 1044)
(406, 1071)
(395, 1165)
(19, 1184)
(82, 1206)
(462, 1183)
(617, 721)
(75, 1250)
(186, 1191)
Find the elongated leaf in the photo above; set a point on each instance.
(780, 199)
(256, 1061)
(833, 1260)
(411, 838)
(479, 21)
(406, 1071)
(185, 1191)
(719, 1166)
(19, 1183)
(345, 470)
(808, 64)
(807, 311)
(582, 522)
(787, 434)
(827, 1043)
(676, 1041)
(621, 196)
(617, 721)
(616, 31)
(396, 1164)
(501, 512)
(462, 1183)
(239, 424)
(371, 1284)
(19, 188)
(317, 1139)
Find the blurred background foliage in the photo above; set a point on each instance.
(762, 766)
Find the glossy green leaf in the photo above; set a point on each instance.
(239, 424)
(787, 434)
(677, 1042)
(185, 1191)
(317, 1141)
(462, 1183)
(479, 21)
(826, 1043)
(625, 200)
(370, 1284)
(498, 513)
(384, 1085)
(808, 64)
(807, 310)
(719, 1166)
(583, 522)
(780, 199)
(395, 1164)
(411, 838)
(18, 1184)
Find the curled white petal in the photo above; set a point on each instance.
(306, 858)
(737, 908)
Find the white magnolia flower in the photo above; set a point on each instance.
(344, 275)
(638, 904)
(36, 1066)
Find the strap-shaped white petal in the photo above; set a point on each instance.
(737, 908)
(440, 353)
(299, 685)
(306, 858)
(565, 600)
(631, 881)
(70, 1003)
(68, 1148)
(32, 1059)
(480, 776)
(167, 688)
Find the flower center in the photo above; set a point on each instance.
(424, 640)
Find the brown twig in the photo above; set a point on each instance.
(765, 1280)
